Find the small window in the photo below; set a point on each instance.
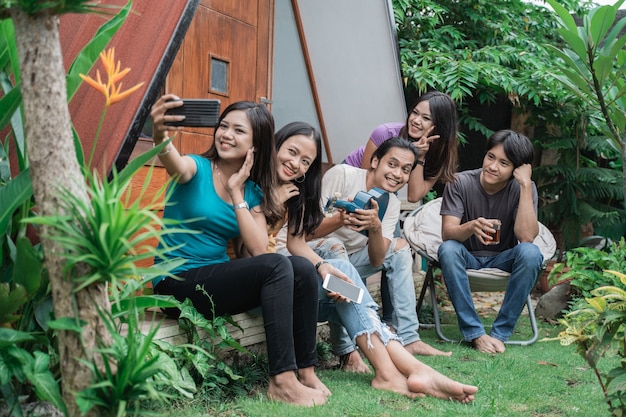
(219, 76)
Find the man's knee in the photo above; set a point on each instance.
(449, 248)
(332, 246)
(529, 253)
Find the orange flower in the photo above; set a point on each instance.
(112, 91)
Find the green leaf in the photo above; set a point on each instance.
(564, 15)
(67, 323)
(46, 386)
(576, 43)
(10, 337)
(603, 65)
(87, 57)
(600, 21)
(28, 266)
(614, 46)
(8, 35)
(12, 297)
(618, 384)
(8, 104)
(598, 304)
(78, 146)
(137, 163)
(12, 195)
(143, 302)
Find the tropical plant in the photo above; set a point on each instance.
(593, 66)
(578, 183)
(22, 367)
(585, 268)
(135, 371)
(33, 28)
(597, 329)
(201, 356)
(480, 48)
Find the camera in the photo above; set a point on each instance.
(362, 200)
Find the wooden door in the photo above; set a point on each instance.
(226, 54)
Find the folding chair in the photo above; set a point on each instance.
(422, 229)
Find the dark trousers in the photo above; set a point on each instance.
(284, 287)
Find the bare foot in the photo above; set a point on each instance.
(432, 383)
(488, 344)
(424, 349)
(286, 388)
(308, 378)
(352, 362)
(393, 381)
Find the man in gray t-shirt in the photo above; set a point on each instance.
(501, 190)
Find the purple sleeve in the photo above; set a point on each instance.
(355, 157)
(378, 136)
(385, 132)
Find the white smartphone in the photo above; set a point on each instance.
(350, 291)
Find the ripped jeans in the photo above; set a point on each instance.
(357, 319)
(398, 264)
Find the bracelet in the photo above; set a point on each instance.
(419, 162)
(241, 205)
(320, 263)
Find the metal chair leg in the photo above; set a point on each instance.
(533, 325)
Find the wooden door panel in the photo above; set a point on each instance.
(245, 11)
(227, 39)
(238, 33)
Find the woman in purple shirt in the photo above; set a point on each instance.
(432, 127)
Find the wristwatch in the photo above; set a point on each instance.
(320, 263)
(241, 205)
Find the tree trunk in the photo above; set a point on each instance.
(53, 166)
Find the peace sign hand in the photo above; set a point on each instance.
(423, 143)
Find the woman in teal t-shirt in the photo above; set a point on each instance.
(226, 193)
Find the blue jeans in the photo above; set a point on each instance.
(357, 319)
(399, 268)
(523, 262)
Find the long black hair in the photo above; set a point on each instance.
(262, 123)
(442, 157)
(304, 213)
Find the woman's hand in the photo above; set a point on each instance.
(285, 191)
(327, 268)
(160, 131)
(235, 182)
(423, 143)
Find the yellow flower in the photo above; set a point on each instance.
(112, 91)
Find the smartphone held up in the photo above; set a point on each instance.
(197, 112)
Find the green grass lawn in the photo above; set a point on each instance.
(544, 379)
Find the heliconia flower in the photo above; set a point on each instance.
(111, 90)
